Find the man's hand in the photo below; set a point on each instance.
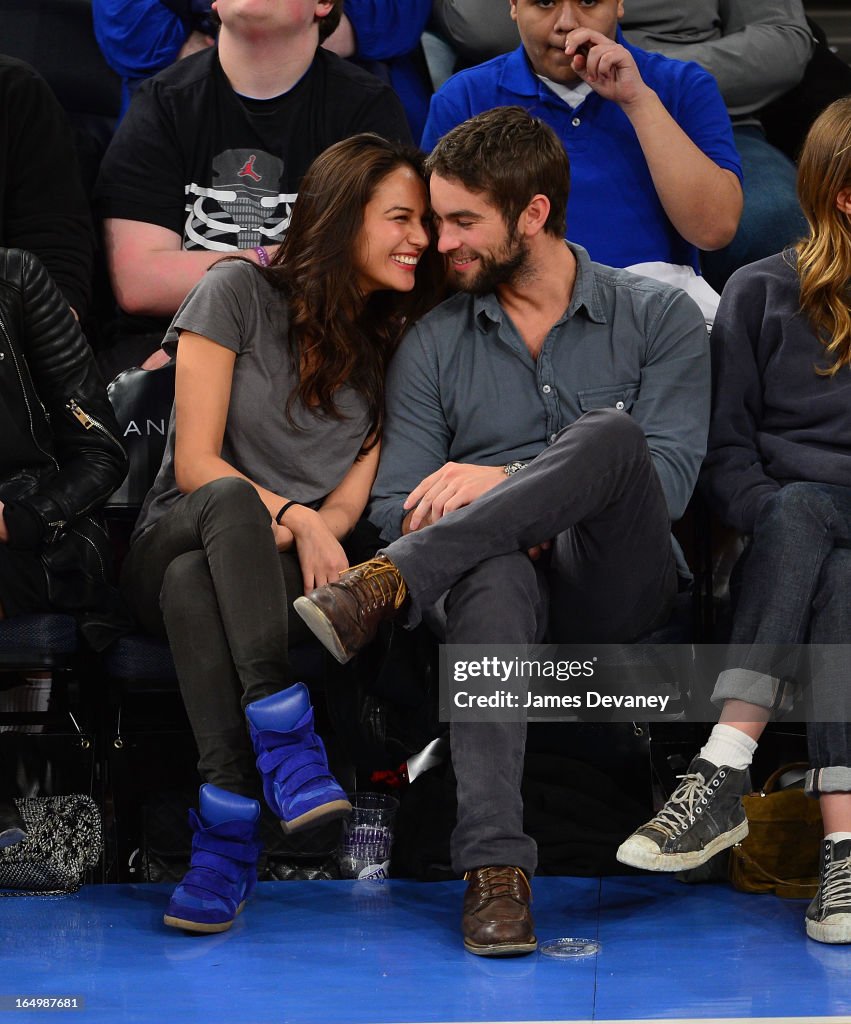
(535, 552)
(605, 65)
(453, 486)
(4, 533)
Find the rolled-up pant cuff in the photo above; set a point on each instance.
(834, 779)
(766, 691)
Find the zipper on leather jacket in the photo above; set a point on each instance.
(89, 422)
(56, 526)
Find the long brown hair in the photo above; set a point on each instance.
(336, 335)
(824, 256)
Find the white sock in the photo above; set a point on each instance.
(728, 746)
(837, 837)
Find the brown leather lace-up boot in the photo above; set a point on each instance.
(496, 920)
(344, 616)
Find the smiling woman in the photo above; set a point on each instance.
(271, 453)
(394, 233)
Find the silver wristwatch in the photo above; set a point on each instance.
(513, 467)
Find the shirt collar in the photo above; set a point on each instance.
(517, 75)
(585, 295)
(585, 292)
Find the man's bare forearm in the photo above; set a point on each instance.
(702, 200)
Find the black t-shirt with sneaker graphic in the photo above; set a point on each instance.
(223, 171)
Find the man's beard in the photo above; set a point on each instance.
(508, 268)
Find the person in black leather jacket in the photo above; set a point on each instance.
(60, 458)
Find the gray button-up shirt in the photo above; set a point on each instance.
(464, 388)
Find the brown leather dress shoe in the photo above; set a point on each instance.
(496, 920)
(345, 616)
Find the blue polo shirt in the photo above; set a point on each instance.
(613, 210)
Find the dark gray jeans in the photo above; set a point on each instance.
(796, 588)
(609, 577)
(209, 577)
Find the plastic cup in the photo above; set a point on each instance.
(364, 850)
(570, 948)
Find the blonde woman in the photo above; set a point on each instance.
(778, 469)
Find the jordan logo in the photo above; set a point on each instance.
(247, 169)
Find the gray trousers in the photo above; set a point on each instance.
(609, 577)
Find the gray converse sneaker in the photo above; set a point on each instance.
(703, 816)
(829, 914)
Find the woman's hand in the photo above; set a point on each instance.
(320, 554)
(284, 539)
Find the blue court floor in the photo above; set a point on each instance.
(390, 952)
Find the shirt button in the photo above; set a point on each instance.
(619, 405)
(546, 389)
(576, 122)
(552, 438)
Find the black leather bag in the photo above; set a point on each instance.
(64, 840)
(142, 400)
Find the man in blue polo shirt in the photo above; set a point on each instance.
(655, 175)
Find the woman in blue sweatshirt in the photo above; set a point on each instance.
(778, 470)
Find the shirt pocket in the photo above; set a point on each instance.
(613, 396)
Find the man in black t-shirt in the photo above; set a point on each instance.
(209, 158)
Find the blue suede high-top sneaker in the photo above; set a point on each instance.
(297, 783)
(223, 869)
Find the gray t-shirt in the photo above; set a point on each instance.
(235, 306)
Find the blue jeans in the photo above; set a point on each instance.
(771, 218)
(796, 588)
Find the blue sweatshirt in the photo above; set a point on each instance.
(774, 419)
